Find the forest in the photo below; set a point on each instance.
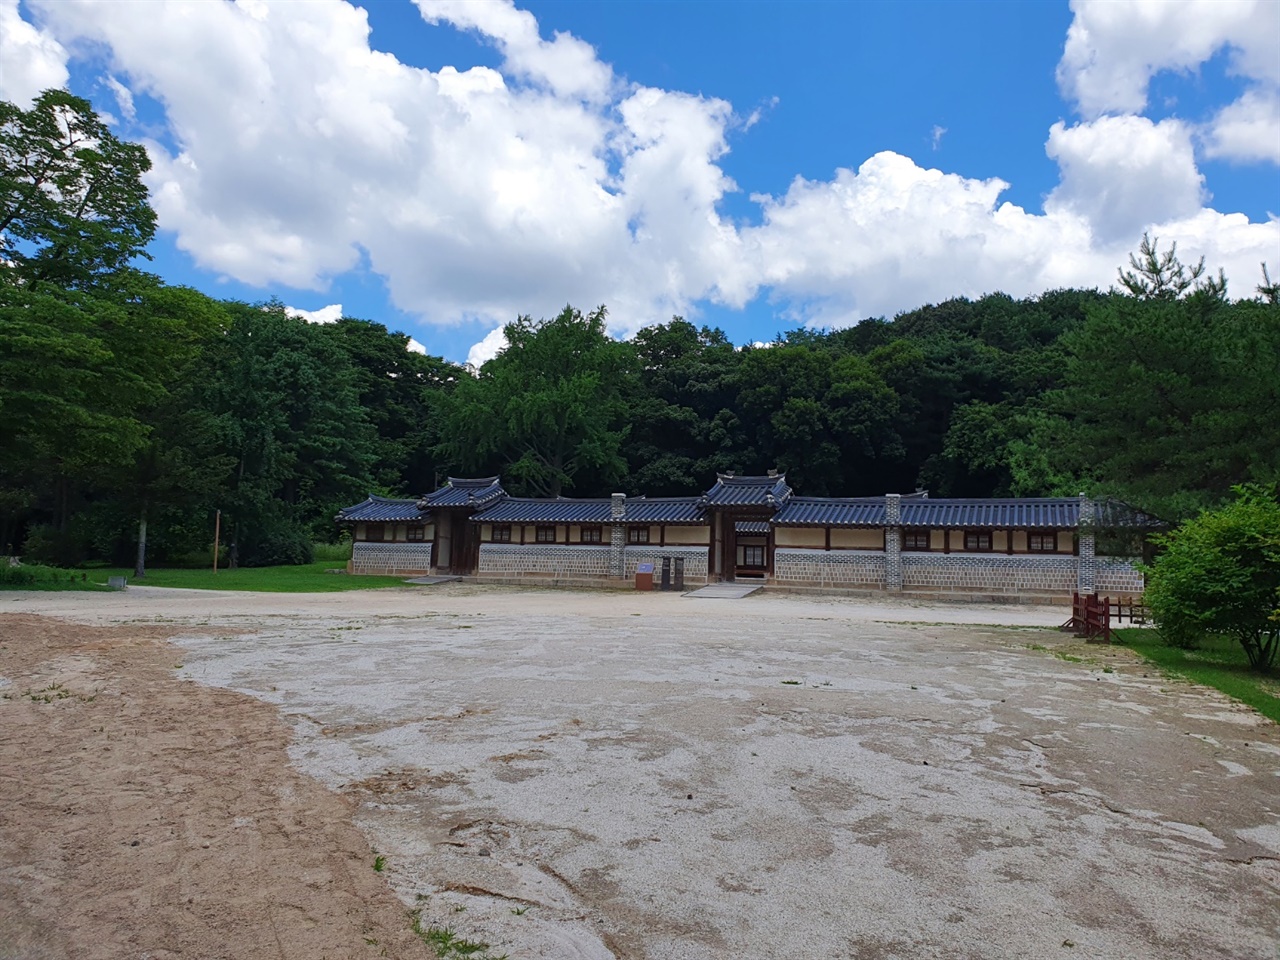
(131, 409)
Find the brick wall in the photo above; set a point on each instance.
(695, 561)
(829, 568)
(543, 561)
(1117, 577)
(989, 574)
(390, 558)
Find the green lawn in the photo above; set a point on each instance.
(1219, 663)
(305, 578)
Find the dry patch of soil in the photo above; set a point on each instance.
(146, 816)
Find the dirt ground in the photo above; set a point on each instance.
(589, 775)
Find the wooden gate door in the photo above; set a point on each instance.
(466, 546)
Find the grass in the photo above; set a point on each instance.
(379, 863)
(448, 945)
(303, 578)
(1220, 663)
(34, 576)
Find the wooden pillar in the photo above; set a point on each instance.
(1008, 541)
(827, 531)
(946, 539)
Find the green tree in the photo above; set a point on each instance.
(73, 207)
(548, 410)
(1162, 276)
(1219, 573)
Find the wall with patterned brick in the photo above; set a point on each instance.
(390, 558)
(859, 569)
(543, 561)
(695, 561)
(1118, 577)
(987, 574)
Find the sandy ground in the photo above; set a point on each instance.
(571, 775)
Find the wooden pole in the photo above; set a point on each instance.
(217, 532)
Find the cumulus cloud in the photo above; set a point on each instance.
(1123, 174)
(1114, 49)
(488, 348)
(330, 314)
(30, 60)
(297, 151)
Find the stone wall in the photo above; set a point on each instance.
(989, 574)
(857, 569)
(390, 558)
(695, 562)
(510, 561)
(1117, 577)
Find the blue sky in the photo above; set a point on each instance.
(462, 163)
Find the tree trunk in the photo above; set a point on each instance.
(140, 564)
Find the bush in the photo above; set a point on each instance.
(275, 548)
(46, 544)
(1220, 574)
(16, 576)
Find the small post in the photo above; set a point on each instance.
(217, 532)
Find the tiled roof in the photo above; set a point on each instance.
(752, 528)
(381, 510)
(1114, 515)
(664, 510)
(731, 491)
(832, 512)
(1055, 513)
(461, 492)
(527, 510)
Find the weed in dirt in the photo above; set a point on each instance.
(448, 944)
(379, 863)
(1069, 658)
(520, 911)
(1035, 646)
(791, 683)
(54, 691)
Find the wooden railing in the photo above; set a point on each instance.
(1091, 615)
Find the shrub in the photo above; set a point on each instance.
(1220, 574)
(273, 548)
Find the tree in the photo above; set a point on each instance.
(1220, 574)
(547, 411)
(1162, 276)
(73, 207)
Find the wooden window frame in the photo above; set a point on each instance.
(637, 535)
(381, 529)
(747, 550)
(920, 536)
(978, 536)
(590, 533)
(1051, 536)
(416, 533)
(544, 533)
(500, 533)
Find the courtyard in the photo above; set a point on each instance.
(590, 775)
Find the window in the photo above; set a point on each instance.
(589, 535)
(1042, 542)
(416, 533)
(375, 531)
(915, 540)
(753, 557)
(500, 533)
(637, 534)
(545, 535)
(977, 540)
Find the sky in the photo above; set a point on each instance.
(444, 166)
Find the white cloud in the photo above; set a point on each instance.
(480, 194)
(124, 98)
(330, 314)
(1114, 49)
(1248, 129)
(937, 135)
(1123, 174)
(413, 346)
(30, 60)
(488, 348)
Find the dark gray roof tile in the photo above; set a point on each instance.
(382, 510)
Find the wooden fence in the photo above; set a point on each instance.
(1091, 615)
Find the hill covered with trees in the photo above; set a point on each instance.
(133, 409)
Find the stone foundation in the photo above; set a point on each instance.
(390, 558)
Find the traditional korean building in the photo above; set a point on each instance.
(755, 528)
